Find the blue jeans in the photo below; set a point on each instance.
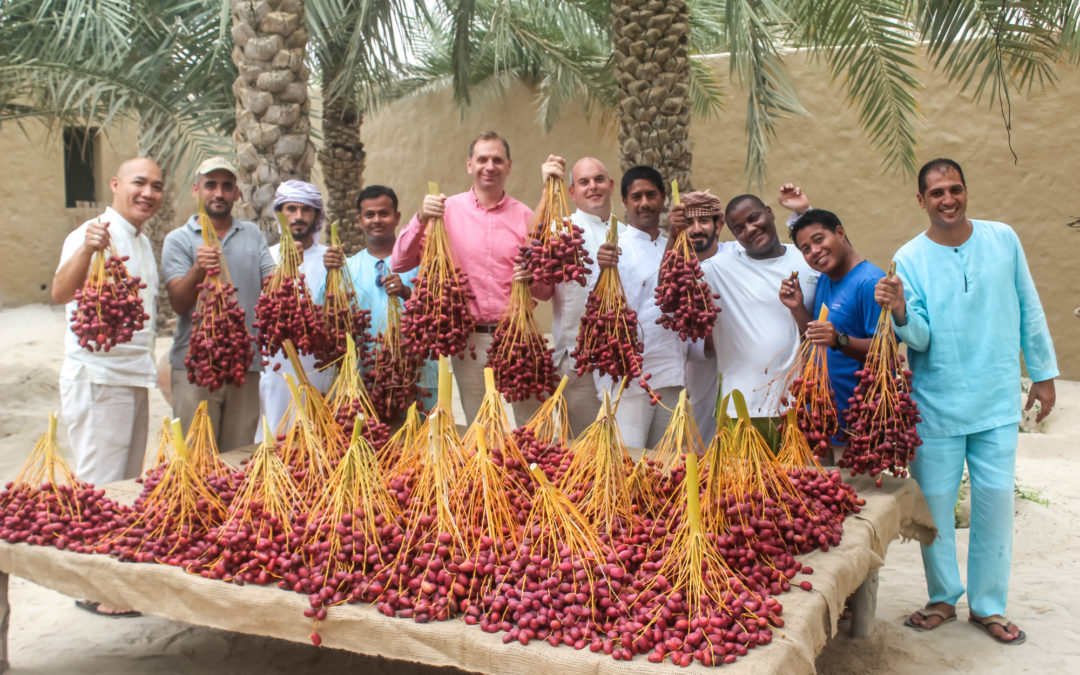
(938, 468)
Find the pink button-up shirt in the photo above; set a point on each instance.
(484, 241)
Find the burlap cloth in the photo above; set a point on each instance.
(897, 509)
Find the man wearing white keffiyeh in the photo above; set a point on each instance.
(302, 205)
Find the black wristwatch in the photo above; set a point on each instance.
(842, 340)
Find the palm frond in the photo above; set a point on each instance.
(166, 65)
(991, 48)
(706, 94)
(869, 45)
(754, 30)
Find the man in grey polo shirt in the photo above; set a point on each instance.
(185, 260)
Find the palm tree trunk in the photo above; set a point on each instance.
(342, 160)
(273, 139)
(652, 73)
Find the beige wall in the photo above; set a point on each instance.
(424, 139)
(32, 199)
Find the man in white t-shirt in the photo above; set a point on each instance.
(302, 204)
(590, 187)
(105, 395)
(755, 338)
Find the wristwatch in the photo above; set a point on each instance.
(842, 340)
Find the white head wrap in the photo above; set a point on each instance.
(301, 193)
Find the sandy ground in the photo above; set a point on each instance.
(49, 635)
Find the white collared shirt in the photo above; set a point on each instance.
(664, 353)
(568, 299)
(130, 364)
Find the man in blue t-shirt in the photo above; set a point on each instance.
(846, 287)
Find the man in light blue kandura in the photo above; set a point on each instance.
(964, 302)
(369, 270)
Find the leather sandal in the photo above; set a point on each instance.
(926, 612)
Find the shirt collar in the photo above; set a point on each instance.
(113, 217)
(498, 205)
(589, 218)
(641, 234)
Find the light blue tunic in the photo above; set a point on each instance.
(971, 310)
(361, 269)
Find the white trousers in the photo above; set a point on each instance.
(274, 395)
(107, 428)
(642, 424)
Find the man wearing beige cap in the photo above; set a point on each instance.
(185, 260)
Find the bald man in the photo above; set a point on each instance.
(590, 187)
(104, 396)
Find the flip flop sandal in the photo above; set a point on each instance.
(926, 613)
(93, 607)
(986, 623)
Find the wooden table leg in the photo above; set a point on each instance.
(864, 606)
(5, 617)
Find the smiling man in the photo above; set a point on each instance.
(302, 205)
(234, 411)
(369, 270)
(104, 395)
(486, 228)
(755, 338)
(704, 220)
(846, 287)
(964, 303)
(590, 188)
(638, 255)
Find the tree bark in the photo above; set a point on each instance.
(342, 160)
(652, 72)
(273, 128)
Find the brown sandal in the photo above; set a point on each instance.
(988, 622)
(926, 613)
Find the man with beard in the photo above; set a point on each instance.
(704, 218)
(369, 270)
(486, 228)
(638, 255)
(964, 303)
(755, 338)
(234, 411)
(590, 188)
(302, 205)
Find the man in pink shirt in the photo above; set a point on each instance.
(486, 227)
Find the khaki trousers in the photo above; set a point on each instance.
(582, 398)
(234, 411)
(469, 377)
